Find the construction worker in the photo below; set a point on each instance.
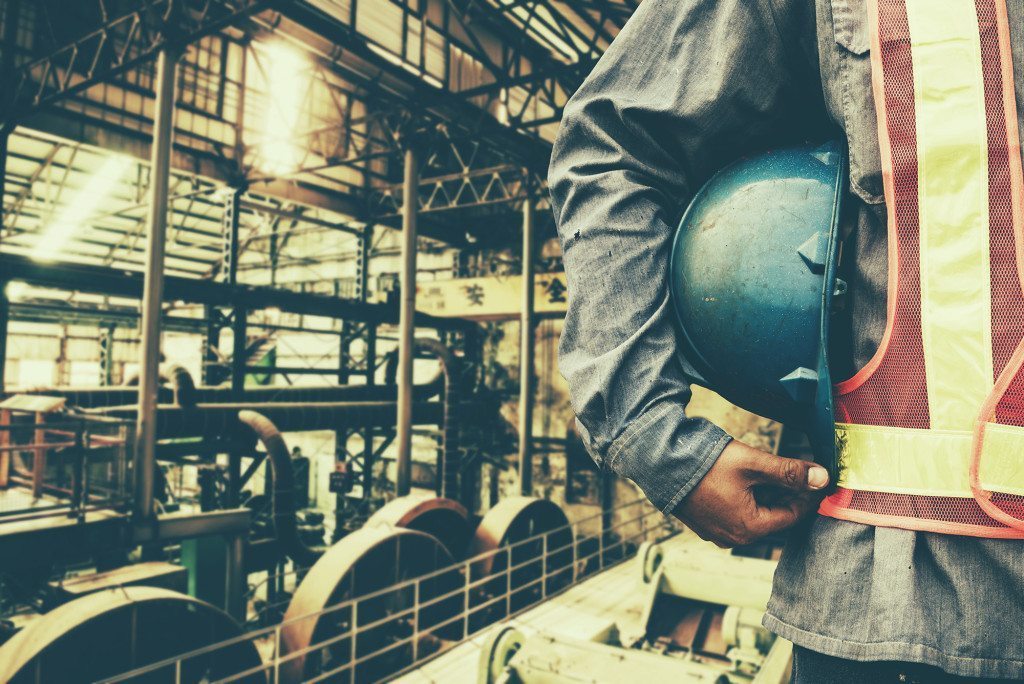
(913, 569)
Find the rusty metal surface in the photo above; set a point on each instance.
(445, 519)
(514, 519)
(363, 564)
(111, 632)
(526, 550)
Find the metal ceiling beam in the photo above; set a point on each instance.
(61, 312)
(433, 105)
(117, 282)
(118, 44)
(506, 184)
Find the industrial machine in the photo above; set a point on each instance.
(111, 632)
(68, 535)
(700, 621)
(395, 591)
(416, 579)
(210, 206)
(234, 546)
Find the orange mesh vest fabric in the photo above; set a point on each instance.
(930, 433)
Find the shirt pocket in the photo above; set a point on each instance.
(853, 80)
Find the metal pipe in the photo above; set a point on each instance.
(100, 397)
(213, 420)
(149, 384)
(282, 495)
(182, 525)
(449, 464)
(526, 355)
(406, 350)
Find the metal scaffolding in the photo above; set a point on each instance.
(256, 169)
(259, 208)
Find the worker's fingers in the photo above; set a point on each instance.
(776, 518)
(788, 473)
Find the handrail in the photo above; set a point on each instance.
(577, 568)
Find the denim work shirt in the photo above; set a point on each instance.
(687, 87)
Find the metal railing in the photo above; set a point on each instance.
(430, 614)
(61, 464)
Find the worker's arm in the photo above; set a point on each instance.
(685, 88)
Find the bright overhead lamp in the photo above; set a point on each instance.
(287, 78)
(16, 291)
(77, 211)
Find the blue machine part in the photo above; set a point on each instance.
(753, 278)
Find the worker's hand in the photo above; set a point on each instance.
(750, 493)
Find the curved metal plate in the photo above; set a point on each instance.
(527, 545)
(367, 563)
(113, 632)
(513, 521)
(444, 519)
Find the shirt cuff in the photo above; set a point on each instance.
(666, 454)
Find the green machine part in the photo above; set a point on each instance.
(206, 559)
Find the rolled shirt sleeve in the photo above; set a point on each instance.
(684, 89)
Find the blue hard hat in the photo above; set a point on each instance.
(753, 278)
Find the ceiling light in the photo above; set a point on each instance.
(76, 213)
(287, 79)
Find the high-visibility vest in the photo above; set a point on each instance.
(930, 433)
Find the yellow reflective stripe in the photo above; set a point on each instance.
(953, 209)
(928, 462)
(1001, 468)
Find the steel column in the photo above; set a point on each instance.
(239, 361)
(149, 380)
(211, 346)
(239, 338)
(526, 355)
(229, 232)
(5, 305)
(5, 319)
(107, 333)
(4, 136)
(406, 328)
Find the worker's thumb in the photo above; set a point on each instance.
(791, 473)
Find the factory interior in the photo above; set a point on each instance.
(280, 303)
